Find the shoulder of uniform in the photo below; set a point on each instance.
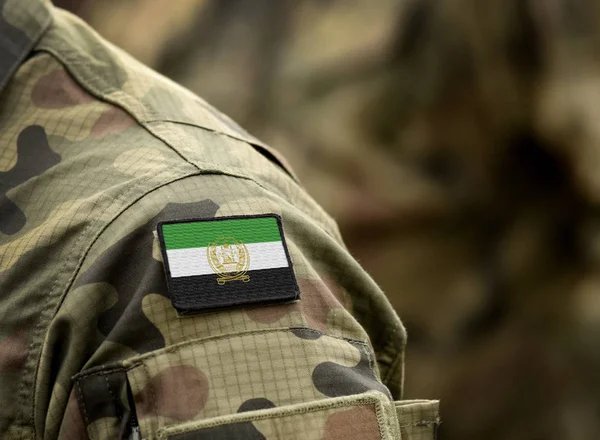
(111, 74)
(153, 100)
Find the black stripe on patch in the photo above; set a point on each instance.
(203, 293)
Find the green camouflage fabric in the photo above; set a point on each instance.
(95, 150)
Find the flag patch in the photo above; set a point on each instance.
(226, 262)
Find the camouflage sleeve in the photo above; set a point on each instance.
(300, 370)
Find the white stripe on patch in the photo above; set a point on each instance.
(194, 262)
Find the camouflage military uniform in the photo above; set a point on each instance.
(95, 151)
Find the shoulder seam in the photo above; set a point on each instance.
(66, 63)
(71, 58)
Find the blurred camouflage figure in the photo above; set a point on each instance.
(95, 151)
(493, 103)
(455, 142)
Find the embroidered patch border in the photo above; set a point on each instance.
(227, 262)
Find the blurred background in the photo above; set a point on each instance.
(457, 144)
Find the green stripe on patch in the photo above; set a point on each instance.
(202, 233)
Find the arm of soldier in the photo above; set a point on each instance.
(143, 364)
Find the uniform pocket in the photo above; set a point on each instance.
(225, 376)
(368, 416)
(264, 384)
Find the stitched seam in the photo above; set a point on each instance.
(24, 50)
(341, 338)
(393, 366)
(421, 423)
(68, 60)
(82, 404)
(249, 140)
(73, 56)
(99, 373)
(44, 312)
(380, 415)
(113, 397)
(38, 327)
(105, 370)
(370, 359)
(319, 407)
(176, 347)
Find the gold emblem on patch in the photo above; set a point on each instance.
(230, 259)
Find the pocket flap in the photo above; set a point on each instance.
(368, 416)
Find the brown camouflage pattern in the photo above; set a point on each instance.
(95, 150)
